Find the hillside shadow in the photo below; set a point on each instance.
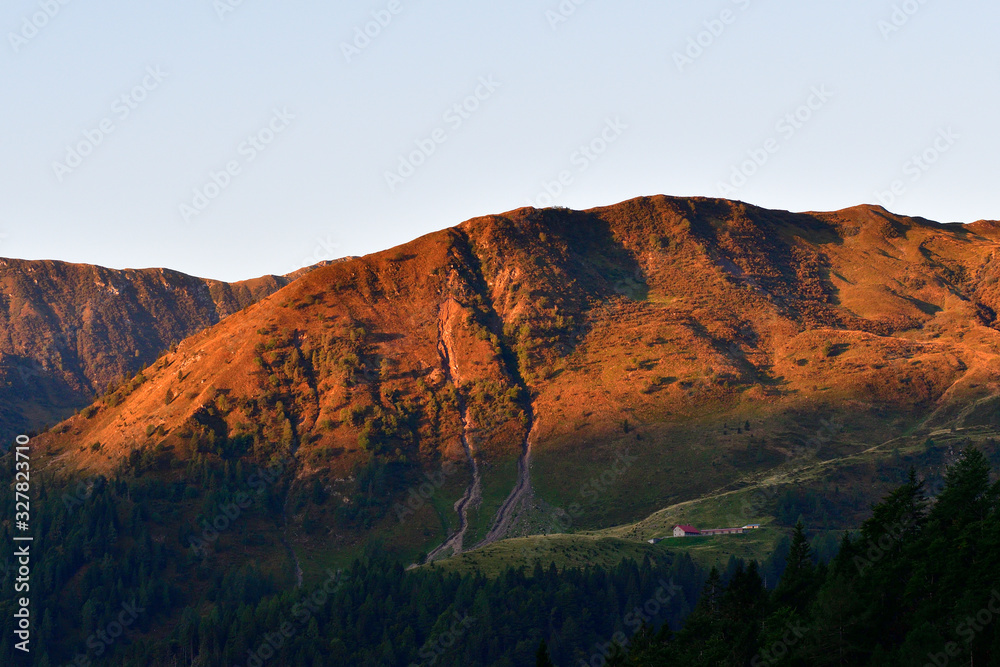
(597, 258)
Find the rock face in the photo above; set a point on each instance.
(67, 330)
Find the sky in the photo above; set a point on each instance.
(235, 138)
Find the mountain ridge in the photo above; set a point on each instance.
(697, 334)
(69, 329)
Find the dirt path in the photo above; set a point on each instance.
(772, 479)
(473, 493)
(521, 491)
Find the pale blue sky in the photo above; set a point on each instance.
(607, 76)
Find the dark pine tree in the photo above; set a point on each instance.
(542, 658)
(799, 581)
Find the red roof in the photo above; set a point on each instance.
(688, 529)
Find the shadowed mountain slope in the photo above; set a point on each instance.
(67, 330)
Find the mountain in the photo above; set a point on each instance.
(68, 330)
(574, 368)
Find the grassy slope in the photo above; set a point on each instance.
(847, 487)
